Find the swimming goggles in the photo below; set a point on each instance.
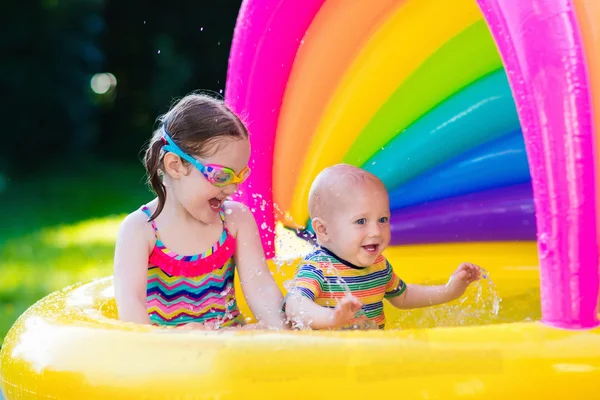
(216, 174)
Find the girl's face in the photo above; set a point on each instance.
(201, 198)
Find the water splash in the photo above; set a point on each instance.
(479, 305)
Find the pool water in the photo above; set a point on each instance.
(480, 305)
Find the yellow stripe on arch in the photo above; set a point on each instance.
(412, 34)
(335, 37)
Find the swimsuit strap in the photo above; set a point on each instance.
(222, 213)
(146, 211)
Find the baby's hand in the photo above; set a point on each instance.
(465, 274)
(345, 311)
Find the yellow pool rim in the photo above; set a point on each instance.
(70, 346)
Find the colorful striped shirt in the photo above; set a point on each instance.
(196, 288)
(325, 278)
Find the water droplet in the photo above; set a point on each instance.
(543, 240)
(201, 28)
(218, 43)
(159, 52)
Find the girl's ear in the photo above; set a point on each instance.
(173, 166)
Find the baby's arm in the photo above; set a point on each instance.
(417, 296)
(301, 307)
(259, 287)
(131, 268)
(306, 312)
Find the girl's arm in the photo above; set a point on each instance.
(131, 268)
(261, 292)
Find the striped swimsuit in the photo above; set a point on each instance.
(325, 278)
(198, 288)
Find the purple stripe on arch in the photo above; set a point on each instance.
(500, 214)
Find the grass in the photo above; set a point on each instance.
(60, 229)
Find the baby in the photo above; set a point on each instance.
(342, 283)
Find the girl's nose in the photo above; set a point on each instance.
(230, 189)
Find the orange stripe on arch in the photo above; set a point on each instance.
(333, 40)
(412, 34)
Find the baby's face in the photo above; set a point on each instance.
(358, 228)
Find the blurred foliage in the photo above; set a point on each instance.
(160, 51)
(60, 228)
(50, 49)
(157, 50)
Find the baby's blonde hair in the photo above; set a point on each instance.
(340, 177)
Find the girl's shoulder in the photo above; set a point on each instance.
(237, 215)
(136, 226)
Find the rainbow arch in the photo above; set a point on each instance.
(478, 135)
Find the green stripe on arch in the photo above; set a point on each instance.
(461, 60)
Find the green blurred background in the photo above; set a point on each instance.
(81, 83)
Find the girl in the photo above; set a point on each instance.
(176, 257)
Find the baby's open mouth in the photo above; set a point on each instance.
(371, 248)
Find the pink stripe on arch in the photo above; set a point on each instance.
(250, 27)
(540, 43)
(266, 39)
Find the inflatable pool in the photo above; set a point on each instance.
(480, 117)
(70, 346)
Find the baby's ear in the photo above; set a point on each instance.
(320, 228)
